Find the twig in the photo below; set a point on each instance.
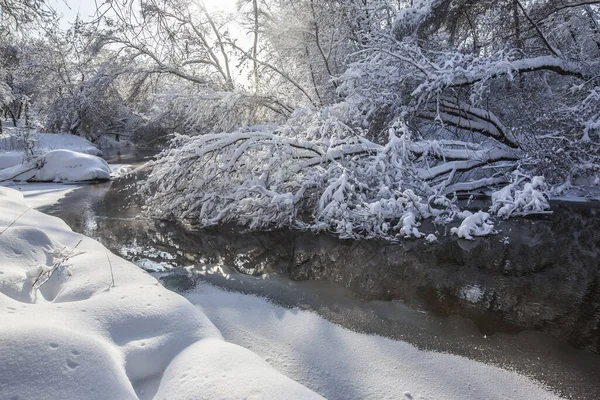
(54, 268)
(16, 219)
(112, 276)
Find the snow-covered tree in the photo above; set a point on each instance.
(489, 72)
(479, 88)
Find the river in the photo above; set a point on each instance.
(526, 299)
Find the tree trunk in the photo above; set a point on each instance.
(255, 46)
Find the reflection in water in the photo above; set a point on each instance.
(485, 299)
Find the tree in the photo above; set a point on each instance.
(16, 20)
(457, 70)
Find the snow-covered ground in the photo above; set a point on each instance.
(341, 364)
(37, 195)
(10, 156)
(79, 322)
(45, 142)
(66, 158)
(67, 332)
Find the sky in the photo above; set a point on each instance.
(68, 9)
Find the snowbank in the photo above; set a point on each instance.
(214, 369)
(59, 165)
(341, 364)
(68, 332)
(39, 195)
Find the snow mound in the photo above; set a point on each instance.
(59, 364)
(79, 322)
(477, 224)
(218, 364)
(59, 165)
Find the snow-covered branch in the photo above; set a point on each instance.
(262, 178)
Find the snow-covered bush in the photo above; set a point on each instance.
(525, 195)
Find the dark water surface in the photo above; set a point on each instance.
(527, 298)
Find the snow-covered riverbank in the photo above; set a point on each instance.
(53, 158)
(79, 322)
(75, 335)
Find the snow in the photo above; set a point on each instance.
(410, 226)
(225, 371)
(431, 238)
(44, 142)
(349, 186)
(54, 141)
(59, 165)
(58, 364)
(477, 224)
(78, 321)
(524, 196)
(341, 364)
(39, 195)
(61, 157)
(67, 331)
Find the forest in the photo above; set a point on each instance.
(357, 117)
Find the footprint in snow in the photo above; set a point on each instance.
(71, 364)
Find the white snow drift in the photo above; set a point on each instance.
(341, 364)
(59, 165)
(68, 332)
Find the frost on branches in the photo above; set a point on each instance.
(434, 99)
(535, 93)
(524, 196)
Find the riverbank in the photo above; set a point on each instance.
(79, 322)
(137, 330)
(445, 308)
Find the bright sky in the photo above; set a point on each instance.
(68, 9)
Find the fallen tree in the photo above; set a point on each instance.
(270, 176)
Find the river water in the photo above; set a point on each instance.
(526, 299)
